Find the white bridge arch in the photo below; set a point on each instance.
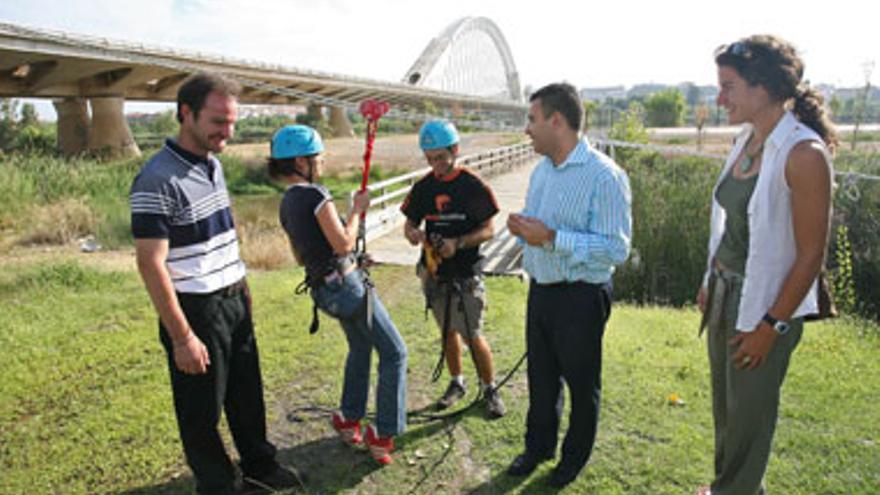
(470, 57)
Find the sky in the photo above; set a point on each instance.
(585, 42)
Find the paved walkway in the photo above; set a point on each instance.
(502, 253)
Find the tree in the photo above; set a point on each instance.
(8, 125)
(835, 105)
(692, 94)
(868, 67)
(590, 108)
(164, 124)
(29, 115)
(665, 108)
(629, 127)
(701, 115)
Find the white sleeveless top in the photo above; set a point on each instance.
(772, 247)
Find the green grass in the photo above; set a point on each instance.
(85, 405)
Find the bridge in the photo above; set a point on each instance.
(466, 72)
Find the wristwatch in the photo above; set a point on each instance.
(781, 327)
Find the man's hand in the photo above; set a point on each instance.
(530, 229)
(413, 234)
(191, 355)
(448, 247)
(753, 346)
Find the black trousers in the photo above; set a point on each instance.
(564, 327)
(233, 383)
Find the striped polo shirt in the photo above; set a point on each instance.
(182, 197)
(586, 199)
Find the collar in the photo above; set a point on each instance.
(786, 125)
(188, 156)
(579, 155)
(451, 176)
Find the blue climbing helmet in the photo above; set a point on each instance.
(437, 134)
(296, 140)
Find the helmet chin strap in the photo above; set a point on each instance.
(308, 177)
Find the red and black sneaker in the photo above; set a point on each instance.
(380, 447)
(348, 430)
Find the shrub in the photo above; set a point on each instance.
(60, 222)
(36, 138)
(264, 247)
(665, 108)
(670, 227)
(857, 208)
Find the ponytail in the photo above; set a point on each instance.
(809, 109)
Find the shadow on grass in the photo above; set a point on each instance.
(325, 465)
(504, 483)
(329, 466)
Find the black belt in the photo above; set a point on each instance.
(230, 290)
(561, 285)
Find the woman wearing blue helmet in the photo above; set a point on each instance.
(323, 244)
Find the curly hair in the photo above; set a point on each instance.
(775, 64)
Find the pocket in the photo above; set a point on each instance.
(342, 298)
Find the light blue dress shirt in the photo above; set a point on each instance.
(587, 200)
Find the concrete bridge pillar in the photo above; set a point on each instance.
(109, 134)
(339, 123)
(316, 112)
(73, 125)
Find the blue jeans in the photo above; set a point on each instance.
(344, 300)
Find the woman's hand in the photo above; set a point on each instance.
(753, 346)
(702, 295)
(360, 202)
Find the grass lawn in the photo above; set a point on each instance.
(85, 404)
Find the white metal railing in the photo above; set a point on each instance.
(387, 195)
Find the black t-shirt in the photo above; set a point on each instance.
(452, 206)
(298, 215)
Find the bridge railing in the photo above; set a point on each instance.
(387, 195)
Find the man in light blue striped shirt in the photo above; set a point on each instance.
(576, 227)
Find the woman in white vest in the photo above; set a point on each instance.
(770, 216)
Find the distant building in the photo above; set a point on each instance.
(603, 93)
(643, 90)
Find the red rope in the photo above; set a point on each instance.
(372, 111)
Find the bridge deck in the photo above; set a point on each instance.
(502, 253)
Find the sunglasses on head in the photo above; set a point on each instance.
(737, 49)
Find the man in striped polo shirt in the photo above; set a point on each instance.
(576, 226)
(188, 257)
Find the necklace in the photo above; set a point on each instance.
(749, 158)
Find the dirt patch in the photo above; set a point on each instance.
(119, 260)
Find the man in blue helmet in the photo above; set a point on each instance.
(457, 208)
(187, 254)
